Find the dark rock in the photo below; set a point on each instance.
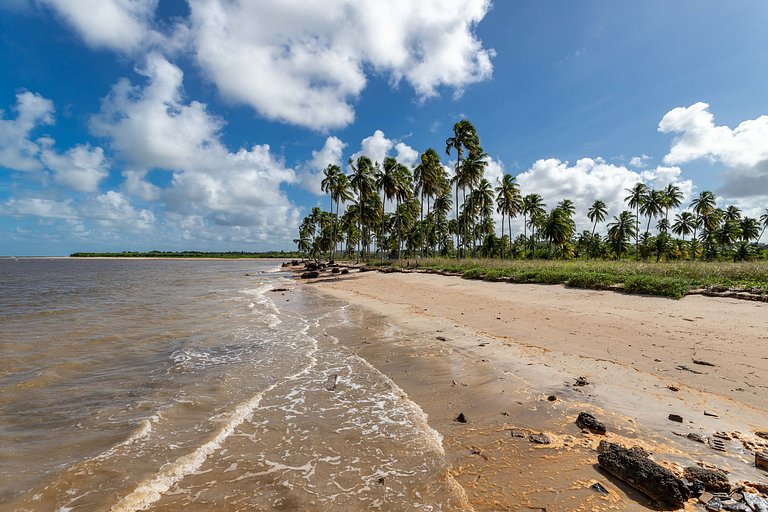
(539, 438)
(761, 461)
(310, 275)
(294, 262)
(365, 269)
(588, 422)
(345, 271)
(598, 487)
(581, 381)
(552, 398)
(695, 437)
(461, 418)
(735, 506)
(643, 474)
(311, 266)
(714, 505)
(696, 488)
(702, 363)
(335, 270)
(712, 480)
(518, 433)
(762, 434)
(441, 338)
(675, 417)
(279, 290)
(673, 388)
(330, 384)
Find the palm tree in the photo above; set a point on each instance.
(635, 198)
(464, 138)
(482, 205)
(672, 197)
(557, 227)
(472, 172)
(430, 179)
(330, 176)
(764, 222)
(652, 206)
(749, 228)
(363, 182)
(386, 182)
(567, 206)
(620, 231)
(684, 224)
(597, 213)
(337, 185)
(509, 204)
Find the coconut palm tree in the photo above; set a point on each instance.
(764, 223)
(749, 228)
(430, 179)
(620, 231)
(651, 206)
(509, 203)
(684, 224)
(672, 197)
(472, 172)
(464, 139)
(330, 177)
(363, 182)
(636, 198)
(557, 227)
(337, 185)
(567, 206)
(482, 204)
(386, 182)
(597, 213)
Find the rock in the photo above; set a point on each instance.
(552, 398)
(712, 480)
(335, 270)
(598, 487)
(657, 482)
(735, 506)
(518, 433)
(540, 438)
(294, 262)
(330, 384)
(311, 266)
(675, 417)
(310, 275)
(581, 381)
(345, 271)
(761, 461)
(673, 388)
(695, 437)
(702, 363)
(756, 503)
(714, 505)
(461, 418)
(762, 434)
(441, 338)
(589, 422)
(279, 290)
(365, 269)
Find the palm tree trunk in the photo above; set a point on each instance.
(509, 225)
(502, 234)
(637, 233)
(381, 228)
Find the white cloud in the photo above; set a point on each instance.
(591, 179)
(377, 147)
(38, 207)
(81, 168)
(17, 151)
(743, 150)
(305, 62)
(114, 210)
(311, 174)
(153, 128)
(639, 161)
(122, 25)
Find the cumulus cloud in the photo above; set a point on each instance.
(305, 62)
(591, 179)
(81, 168)
(123, 25)
(377, 147)
(639, 161)
(743, 150)
(311, 174)
(152, 127)
(38, 207)
(17, 151)
(114, 210)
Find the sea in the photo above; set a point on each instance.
(198, 385)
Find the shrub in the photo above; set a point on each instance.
(591, 280)
(672, 287)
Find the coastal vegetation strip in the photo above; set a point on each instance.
(185, 254)
(667, 279)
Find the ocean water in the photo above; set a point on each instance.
(173, 384)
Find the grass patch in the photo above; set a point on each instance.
(591, 280)
(675, 288)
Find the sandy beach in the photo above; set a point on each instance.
(508, 357)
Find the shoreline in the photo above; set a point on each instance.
(496, 352)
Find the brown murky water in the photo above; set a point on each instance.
(160, 385)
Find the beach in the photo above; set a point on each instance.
(508, 357)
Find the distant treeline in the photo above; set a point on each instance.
(186, 254)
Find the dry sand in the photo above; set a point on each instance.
(503, 349)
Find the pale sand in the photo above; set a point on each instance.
(508, 346)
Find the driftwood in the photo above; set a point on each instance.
(636, 469)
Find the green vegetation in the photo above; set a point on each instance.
(667, 279)
(426, 195)
(185, 254)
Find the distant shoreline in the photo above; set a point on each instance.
(224, 255)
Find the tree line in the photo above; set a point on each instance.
(424, 198)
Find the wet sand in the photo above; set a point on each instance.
(496, 352)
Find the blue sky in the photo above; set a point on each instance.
(172, 125)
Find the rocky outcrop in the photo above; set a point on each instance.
(586, 421)
(636, 469)
(712, 480)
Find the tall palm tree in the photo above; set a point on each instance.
(597, 213)
(328, 185)
(482, 204)
(533, 208)
(509, 203)
(764, 222)
(464, 139)
(567, 206)
(704, 207)
(363, 182)
(430, 179)
(472, 172)
(386, 182)
(749, 229)
(557, 227)
(684, 224)
(672, 197)
(620, 231)
(651, 206)
(636, 198)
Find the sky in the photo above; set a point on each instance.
(205, 124)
